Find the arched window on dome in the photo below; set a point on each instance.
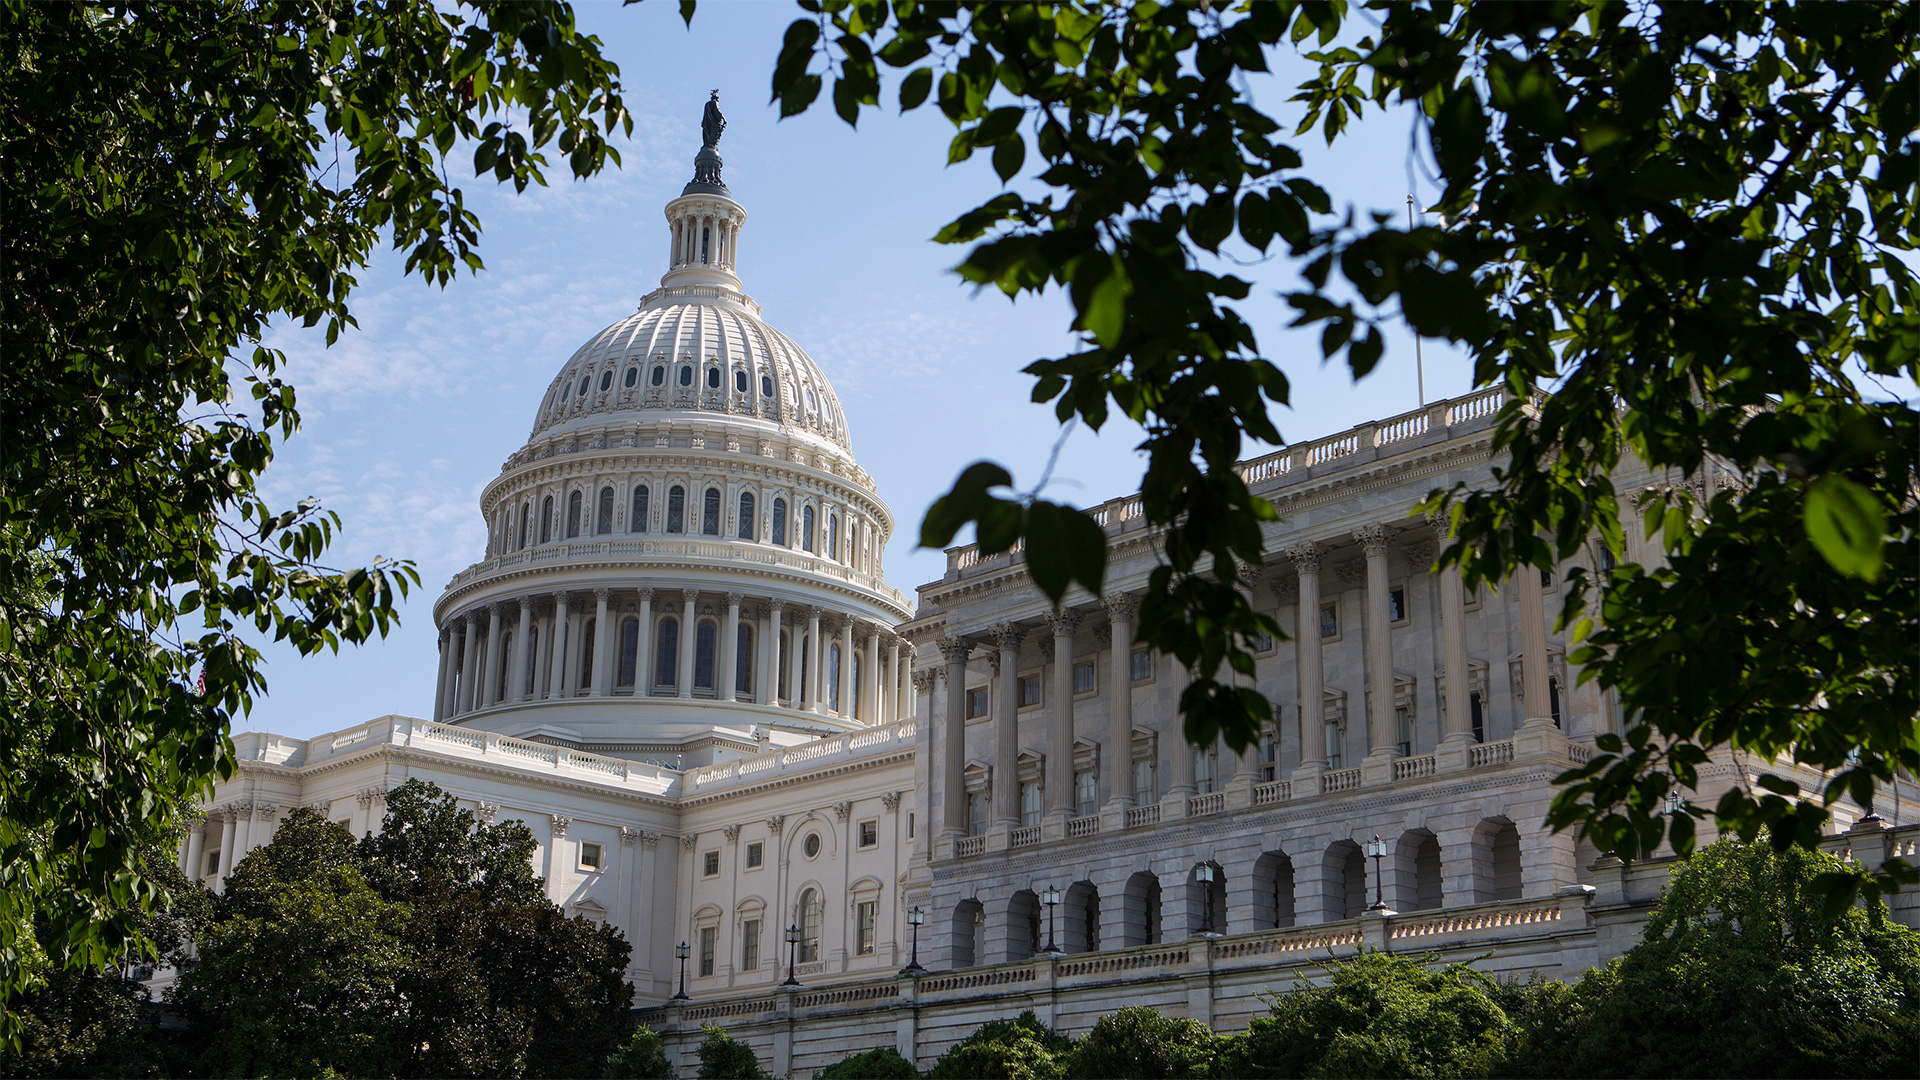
(806, 528)
(506, 649)
(585, 681)
(633, 376)
(603, 518)
(586, 383)
(705, 637)
(686, 374)
(747, 522)
(706, 236)
(743, 661)
(710, 513)
(833, 676)
(606, 380)
(526, 523)
(766, 386)
(659, 377)
(740, 380)
(676, 509)
(629, 649)
(573, 515)
(779, 537)
(779, 667)
(546, 519)
(713, 378)
(638, 522)
(533, 662)
(858, 675)
(810, 926)
(666, 654)
(833, 536)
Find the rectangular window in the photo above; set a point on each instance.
(1262, 641)
(1140, 665)
(756, 854)
(1403, 718)
(1479, 718)
(1145, 787)
(1029, 690)
(1396, 605)
(710, 866)
(1269, 756)
(864, 915)
(750, 945)
(1546, 579)
(213, 863)
(976, 702)
(1333, 745)
(909, 824)
(1030, 805)
(976, 813)
(707, 936)
(1083, 676)
(1086, 793)
(1329, 619)
(1202, 770)
(1553, 700)
(869, 833)
(589, 856)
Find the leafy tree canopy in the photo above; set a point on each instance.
(724, 1058)
(177, 177)
(1138, 1043)
(1687, 221)
(1022, 1048)
(879, 1063)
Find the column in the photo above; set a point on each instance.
(1453, 647)
(1060, 777)
(597, 671)
(469, 678)
(643, 651)
(196, 844)
(688, 638)
(796, 639)
(1174, 737)
(723, 680)
(229, 833)
(1533, 647)
(1120, 611)
(870, 679)
(811, 687)
(1006, 728)
(517, 669)
(440, 681)
(770, 679)
(953, 768)
(889, 700)
(558, 684)
(1376, 540)
(846, 666)
(1308, 660)
(490, 692)
(543, 661)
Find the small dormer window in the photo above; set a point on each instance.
(606, 380)
(686, 374)
(659, 375)
(740, 381)
(713, 378)
(633, 376)
(766, 386)
(586, 383)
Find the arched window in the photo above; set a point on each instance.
(710, 513)
(506, 649)
(833, 536)
(779, 537)
(526, 522)
(638, 522)
(806, 527)
(533, 653)
(659, 376)
(586, 656)
(676, 509)
(766, 386)
(705, 235)
(573, 514)
(704, 637)
(603, 520)
(713, 378)
(743, 660)
(779, 667)
(606, 380)
(633, 376)
(747, 523)
(833, 676)
(666, 655)
(629, 649)
(686, 374)
(739, 380)
(586, 383)
(546, 519)
(809, 927)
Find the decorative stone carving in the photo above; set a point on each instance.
(628, 834)
(731, 832)
(923, 680)
(649, 840)
(560, 825)
(1064, 622)
(1353, 573)
(842, 811)
(1285, 589)
(1421, 554)
(1008, 636)
(776, 823)
(366, 796)
(734, 599)
(687, 841)
(264, 811)
(1376, 540)
(486, 812)
(1305, 557)
(956, 650)
(1249, 574)
(891, 800)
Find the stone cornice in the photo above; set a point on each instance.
(390, 753)
(656, 570)
(903, 753)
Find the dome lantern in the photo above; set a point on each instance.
(703, 224)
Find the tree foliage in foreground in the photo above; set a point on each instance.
(177, 177)
(1686, 220)
(428, 949)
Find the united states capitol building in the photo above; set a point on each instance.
(680, 664)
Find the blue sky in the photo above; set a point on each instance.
(407, 418)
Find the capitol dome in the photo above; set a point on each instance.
(689, 485)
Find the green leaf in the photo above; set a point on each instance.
(914, 88)
(1104, 315)
(962, 503)
(1008, 155)
(1847, 525)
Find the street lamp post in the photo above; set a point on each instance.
(1204, 874)
(1050, 896)
(682, 952)
(793, 945)
(1377, 850)
(914, 918)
